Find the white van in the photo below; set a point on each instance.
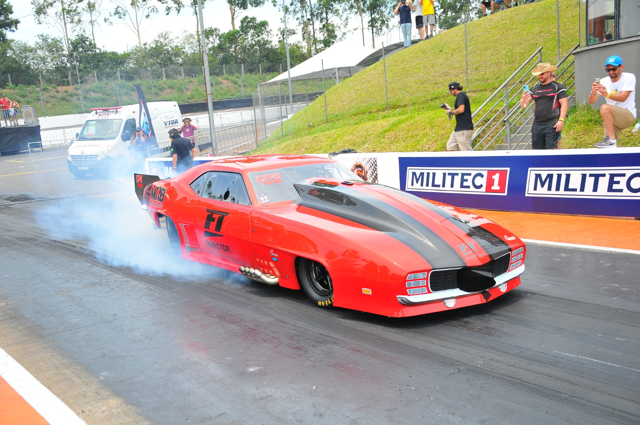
(103, 143)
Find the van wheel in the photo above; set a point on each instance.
(315, 281)
(174, 238)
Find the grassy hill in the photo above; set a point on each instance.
(417, 80)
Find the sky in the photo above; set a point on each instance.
(118, 37)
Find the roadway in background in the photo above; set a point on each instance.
(95, 307)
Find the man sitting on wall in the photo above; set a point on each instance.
(619, 111)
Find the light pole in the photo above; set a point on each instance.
(286, 46)
(207, 81)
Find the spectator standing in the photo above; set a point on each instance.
(486, 5)
(460, 138)
(428, 17)
(417, 6)
(15, 107)
(551, 104)
(140, 145)
(188, 130)
(182, 152)
(619, 110)
(404, 9)
(497, 4)
(6, 108)
(553, 78)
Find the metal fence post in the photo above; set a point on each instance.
(280, 109)
(224, 69)
(118, 94)
(184, 89)
(9, 77)
(164, 76)
(213, 82)
(119, 75)
(95, 75)
(384, 67)
(44, 114)
(506, 115)
(153, 90)
(324, 91)
(466, 54)
(241, 77)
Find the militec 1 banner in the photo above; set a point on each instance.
(144, 118)
(586, 181)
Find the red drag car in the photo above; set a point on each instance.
(308, 222)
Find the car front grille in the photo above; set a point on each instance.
(442, 280)
(84, 159)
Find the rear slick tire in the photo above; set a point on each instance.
(315, 282)
(174, 238)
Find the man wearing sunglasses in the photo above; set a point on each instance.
(619, 91)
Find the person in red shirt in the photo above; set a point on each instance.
(6, 108)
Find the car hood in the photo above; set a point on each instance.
(442, 238)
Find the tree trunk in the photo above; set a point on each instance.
(361, 20)
(67, 43)
(313, 28)
(232, 10)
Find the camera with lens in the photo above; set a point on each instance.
(444, 106)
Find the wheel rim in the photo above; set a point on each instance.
(319, 279)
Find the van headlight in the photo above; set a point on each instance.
(104, 152)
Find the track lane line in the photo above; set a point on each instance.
(578, 246)
(32, 172)
(43, 401)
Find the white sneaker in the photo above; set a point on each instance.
(606, 143)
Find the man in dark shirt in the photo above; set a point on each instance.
(550, 110)
(404, 9)
(182, 152)
(461, 137)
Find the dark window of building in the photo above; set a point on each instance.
(609, 20)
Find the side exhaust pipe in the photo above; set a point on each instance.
(258, 276)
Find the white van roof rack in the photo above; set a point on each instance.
(114, 108)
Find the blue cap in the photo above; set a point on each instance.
(138, 128)
(614, 60)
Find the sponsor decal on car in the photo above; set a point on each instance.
(592, 182)
(458, 180)
(157, 194)
(216, 217)
(269, 178)
(218, 246)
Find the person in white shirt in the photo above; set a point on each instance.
(619, 111)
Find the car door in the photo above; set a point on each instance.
(223, 220)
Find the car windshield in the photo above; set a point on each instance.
(100, 130)
(277, 185)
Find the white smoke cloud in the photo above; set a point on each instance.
(121, 234)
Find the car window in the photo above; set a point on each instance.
(221, 186)
(130, 126)
(198, 184)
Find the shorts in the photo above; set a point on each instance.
(498, 1)
(622, 118)
(429, 19)
(6, 113)
(486, 3)
(460, 141)
(419, 23)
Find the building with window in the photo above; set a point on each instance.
(607, 27)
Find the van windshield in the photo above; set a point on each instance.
(100, 130)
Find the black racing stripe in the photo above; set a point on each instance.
(492, 244)
(376, 214)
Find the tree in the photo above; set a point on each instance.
(93, 11)
(328, 12)
(60, 14)
(7, 23)
(133, 13)
(380, 14)
(450, 13)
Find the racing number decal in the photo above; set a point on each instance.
(157, 193)
(216, 217)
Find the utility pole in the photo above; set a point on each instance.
(207, 81)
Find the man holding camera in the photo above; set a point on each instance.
(404, 9)
(619, 91)
(460, 139)
(550, 110)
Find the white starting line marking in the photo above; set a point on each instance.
(590, 247)
(597, 361)
(37, 395)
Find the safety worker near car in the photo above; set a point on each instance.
(182, 152)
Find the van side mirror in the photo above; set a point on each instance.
(126, 135)
(77, 134)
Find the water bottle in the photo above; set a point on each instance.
(636, 127)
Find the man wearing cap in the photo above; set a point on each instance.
(619, 110)
(404, 9)
(139, 145)
(182, 152)
(460, 138)
(550, 109)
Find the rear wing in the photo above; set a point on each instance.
(141, 182)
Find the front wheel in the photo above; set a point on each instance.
(316, 282)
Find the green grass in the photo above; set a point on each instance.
(417, 81)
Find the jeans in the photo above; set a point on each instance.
(406, 32)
